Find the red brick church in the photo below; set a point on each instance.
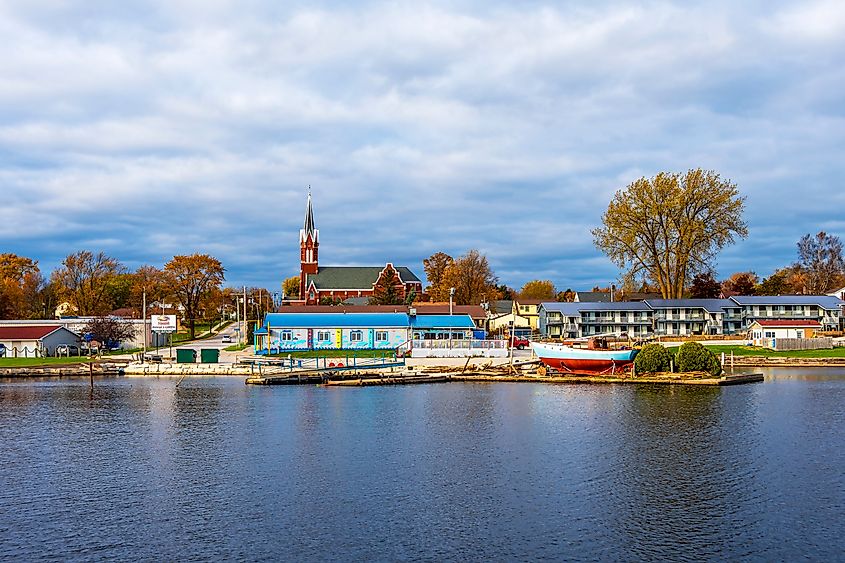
(354, 283)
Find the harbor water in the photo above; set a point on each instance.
(212, 469)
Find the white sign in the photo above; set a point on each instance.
(163, 323)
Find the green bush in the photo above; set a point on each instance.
(692, 356)
(652, 358)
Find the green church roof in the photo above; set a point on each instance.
(354, 277)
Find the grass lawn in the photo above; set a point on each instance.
(337, 354)
(185, 334)
(237, 347)
(32, 362)
(755, 351)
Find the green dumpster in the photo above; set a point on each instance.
(209, 355)
(185, 356)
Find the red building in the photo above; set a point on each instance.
(342, 282)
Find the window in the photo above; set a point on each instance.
(287, 335)
(381, 336)
(323, 335)
(356, 336)
(770, 334)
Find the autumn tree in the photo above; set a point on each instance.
(388, 288)
(538, 289)
(742, 283)
(704, 286)
(436, 267)
(119, 291)
(472, 278)
(260, 302)
(671, 227)
(505, 292)
(567, 296)
(820, 258)
(149, 280)
(291, 287)
(20, 283)
(85, 280)
(776, 284)
(191, 279)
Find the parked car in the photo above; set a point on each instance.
(518, 342)
(227, 339)
(67, 350)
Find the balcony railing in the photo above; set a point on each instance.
(461, 344)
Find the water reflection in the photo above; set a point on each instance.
(214, 469)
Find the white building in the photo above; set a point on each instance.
(29, 341)
(76, 325)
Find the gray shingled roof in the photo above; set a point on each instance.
(709, 305)
(354, 277)
(502, 306)
(824, 301)
(573, 308)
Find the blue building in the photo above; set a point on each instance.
(283, 332)
(331, 331)
(444, 327)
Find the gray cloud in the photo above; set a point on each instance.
(147, 130)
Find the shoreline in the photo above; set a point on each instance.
(252, 371)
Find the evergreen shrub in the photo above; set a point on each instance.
(652, 358)
(692, 356)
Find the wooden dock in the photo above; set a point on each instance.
(736, 379)
(369, 379)
(320, 376)
(395, 380)
(80, 369)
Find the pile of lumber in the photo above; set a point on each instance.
(529, 367)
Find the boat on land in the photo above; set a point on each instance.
(592, 359)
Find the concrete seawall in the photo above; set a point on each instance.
(137, 369)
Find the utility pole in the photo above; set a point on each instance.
(238, 318)
(245, 315)
(451, 296)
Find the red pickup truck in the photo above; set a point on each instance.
(518, 342)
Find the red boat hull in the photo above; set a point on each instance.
(581, 365)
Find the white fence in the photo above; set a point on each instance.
(458, 348)
(782, 344)
(22, 352)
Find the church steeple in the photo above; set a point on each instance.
(309, 243)
(308, 228)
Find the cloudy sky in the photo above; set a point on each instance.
(148, 129)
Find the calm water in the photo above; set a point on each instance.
(214, 469)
